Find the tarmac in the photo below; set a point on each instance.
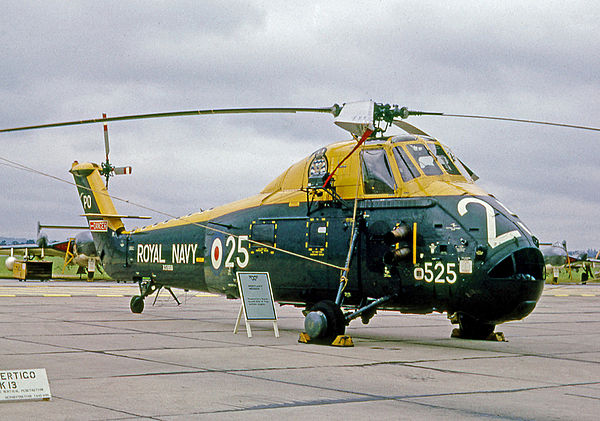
(184, 362)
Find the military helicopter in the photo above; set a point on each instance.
(373, 223)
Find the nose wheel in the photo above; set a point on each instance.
(471, 328)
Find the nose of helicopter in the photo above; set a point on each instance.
(511, 284)
(508, 267)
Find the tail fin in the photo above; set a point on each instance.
(97, 204)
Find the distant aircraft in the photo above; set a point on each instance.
(557, 255)
(79, 250)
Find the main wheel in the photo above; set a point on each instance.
(136, 304)
(471, 328)
(325, 320)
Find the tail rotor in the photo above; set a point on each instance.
(107, 169)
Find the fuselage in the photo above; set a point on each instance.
(456, 249)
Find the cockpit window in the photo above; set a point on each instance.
(464, 171)
(377, 174)
(442, 158)
(407, 169)
(424, 158)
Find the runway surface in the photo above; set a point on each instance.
(175, 363)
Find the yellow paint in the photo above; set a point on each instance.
(414, 243)
(100, 193)
(290, 187)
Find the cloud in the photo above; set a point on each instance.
(75, 60)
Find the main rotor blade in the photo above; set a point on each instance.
(334, 109)
(517, 120)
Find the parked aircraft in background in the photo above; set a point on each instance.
(79, 250)
(556, 255)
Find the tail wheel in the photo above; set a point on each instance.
(325, 320)
(471, 328)
(136, 304)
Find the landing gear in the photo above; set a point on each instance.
(471, 328)
(137, 301)
(147, 288)
(136, 304)
(325, 320)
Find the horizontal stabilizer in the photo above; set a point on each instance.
(110, 215)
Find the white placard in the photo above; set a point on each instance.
(255, 289)
(465, 266)
(257, 300)
(18, 385)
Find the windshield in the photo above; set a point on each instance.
(442, 158)
(415, 157)
(464, 170)
(424, 158)
(377, 174)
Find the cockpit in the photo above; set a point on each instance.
(412, 158)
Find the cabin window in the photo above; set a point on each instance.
(424, 158)
(377, 174)
(443, 158)
(407, 169)
(263, 233)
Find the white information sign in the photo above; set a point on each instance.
(30, 384)
(257, 299)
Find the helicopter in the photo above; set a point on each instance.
(372, 223)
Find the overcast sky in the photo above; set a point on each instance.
(74, 60)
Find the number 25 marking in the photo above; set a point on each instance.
(242, 263)
(490, 214)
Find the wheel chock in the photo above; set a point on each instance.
(304, 338)
(493, 337)
(496, 337)
(342, 340)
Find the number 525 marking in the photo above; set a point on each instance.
(436, 272)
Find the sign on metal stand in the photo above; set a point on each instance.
(257, 300)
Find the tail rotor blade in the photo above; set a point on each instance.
(106, 145)
(122, 170)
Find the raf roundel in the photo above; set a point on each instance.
(216, 253)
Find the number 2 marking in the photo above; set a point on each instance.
(490, 214)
